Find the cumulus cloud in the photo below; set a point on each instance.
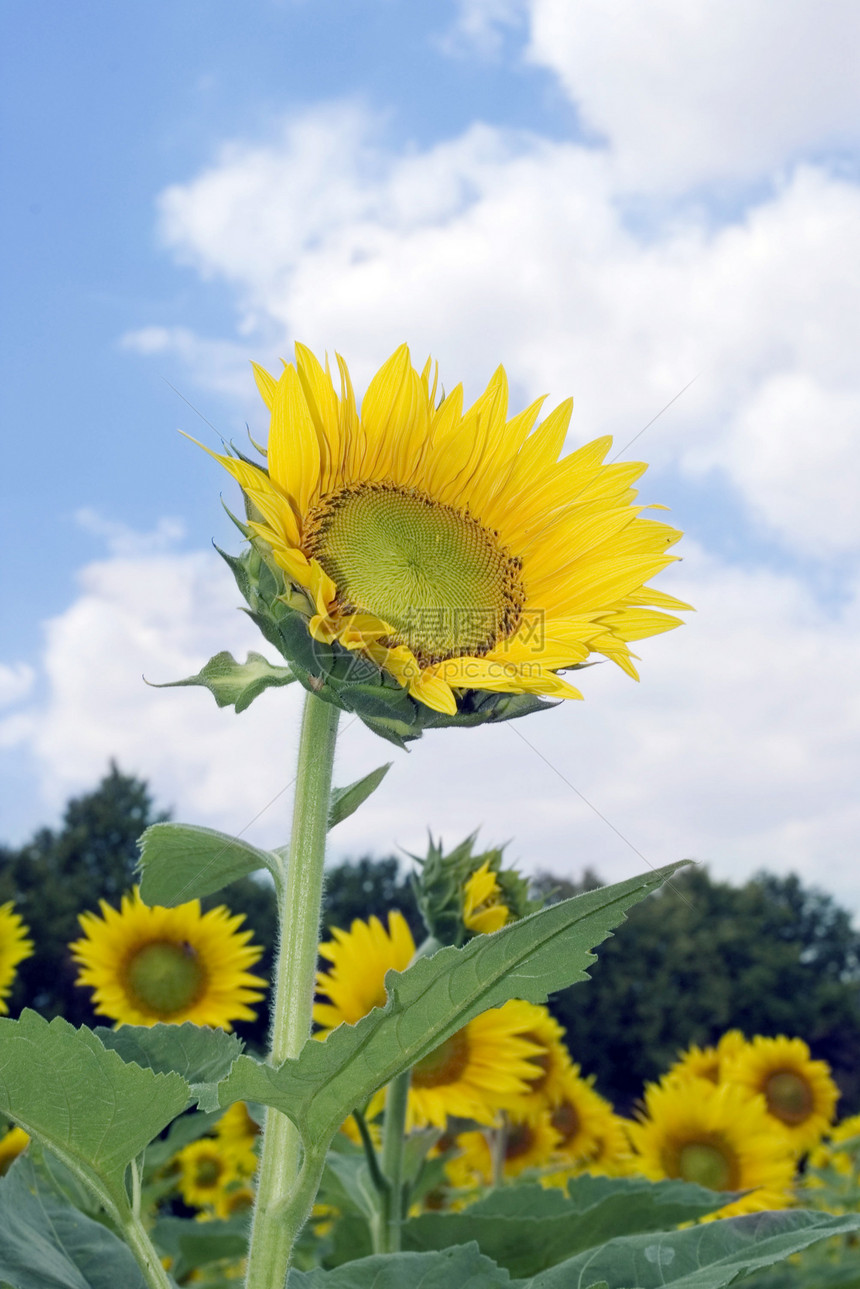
(499, 244)
(16, 681)
(734, 749)
(686, 95)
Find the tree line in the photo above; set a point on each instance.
(697, 958)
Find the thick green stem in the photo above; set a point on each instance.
(276, 1220)
(393, 1142)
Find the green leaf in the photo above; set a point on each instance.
(180, 862)
(431, 1001)
(198, 1244)
(94, 1111)
(345, 801)
(709, 1256)
(45, 1243)
(235, 684)
(460, 1268)
(528, 1228)
(200, 1054)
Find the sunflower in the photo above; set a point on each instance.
(12, 1143)
(451, 548)
(579, 1117)
(14, 948)
(483, 1068)
(236, 1125)
(524, 1143)
(708, 1062)
(484, 907)
(359, 959)
(207, 1171)
(156, 964)
(717, 1135)
(551, 1062)
(799, 1092)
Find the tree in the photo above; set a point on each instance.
(700, 957)
(62, 873)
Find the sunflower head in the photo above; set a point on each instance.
(150, 964)
(799, 1092)
(14, 948)
(424, 564)
(461, 894)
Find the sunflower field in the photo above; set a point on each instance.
(418, 1118)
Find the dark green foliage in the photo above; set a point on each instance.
(701, 957)
(359, 888)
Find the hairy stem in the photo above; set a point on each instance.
(393, 1142)
(277, 1217)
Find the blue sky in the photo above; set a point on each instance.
(610, 209)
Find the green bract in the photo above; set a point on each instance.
(348, 680)
(439, 884)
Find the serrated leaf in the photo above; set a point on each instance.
(528, 1228)
(193, 1244)
(46, 1243)
(235, 684)
(430, 1001)
(81, 1100)
(710, 1256)
(464, 1268)
(197, 1052)
(181, 862)
(345, 801)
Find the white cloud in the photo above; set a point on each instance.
(688, 94)
(497, 245)
(16, 681)
(221, 365)
(735, 748)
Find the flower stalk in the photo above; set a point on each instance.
(277, 1220)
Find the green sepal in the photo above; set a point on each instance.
(232, 683)
(344, 677)
(429, 1002)
(439, 886)
(181, 862)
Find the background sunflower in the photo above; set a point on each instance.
(146, 965)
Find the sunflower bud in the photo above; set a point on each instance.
(462, 894)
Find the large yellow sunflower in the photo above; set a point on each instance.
(14, 948)
(359, 958)
(551, 1063)
(156, 964)
(452, 548)
(717, 1135)
(483, 1068)
(799, 1092)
